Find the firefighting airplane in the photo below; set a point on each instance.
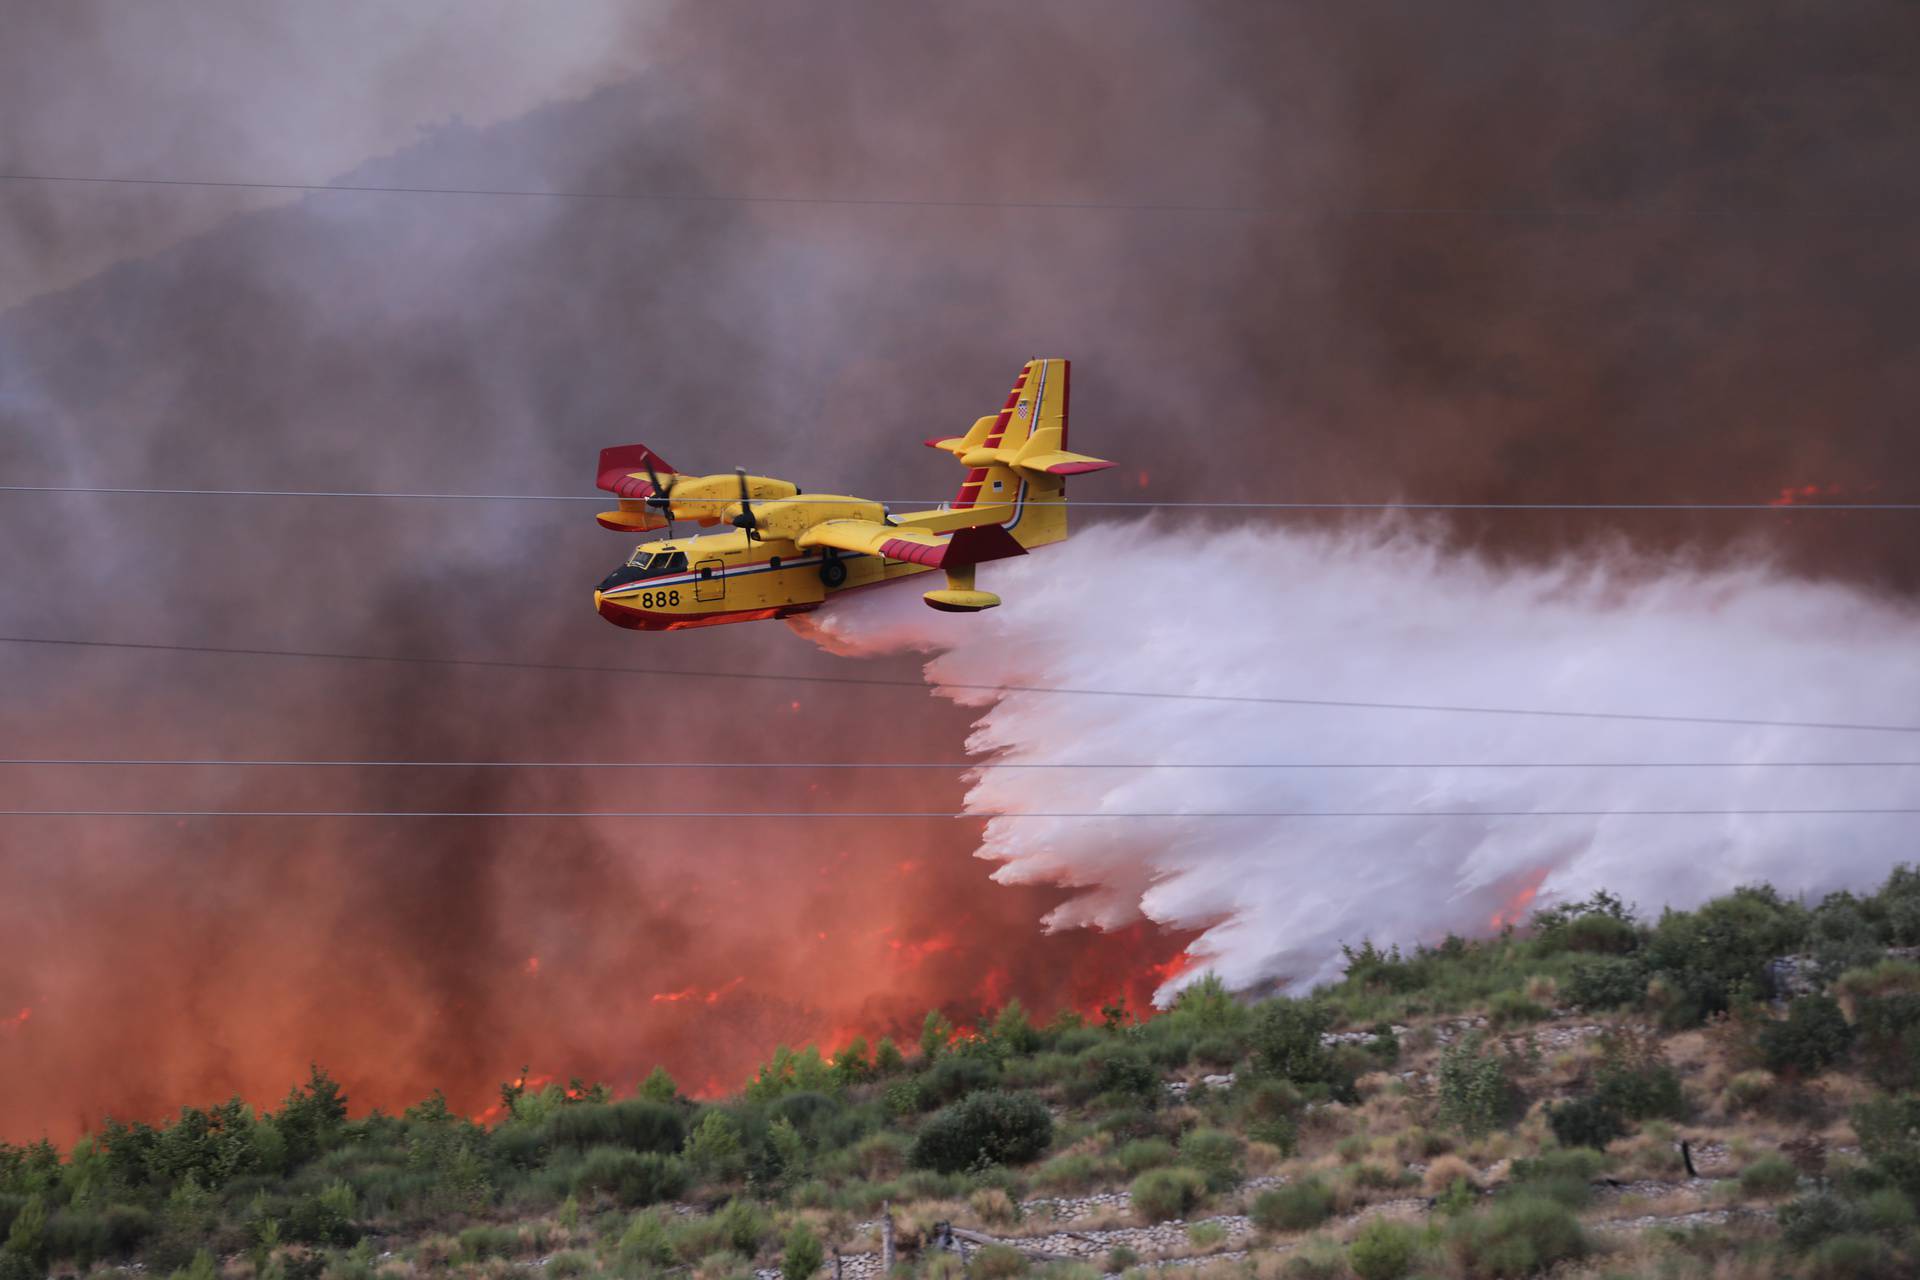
(788, 554)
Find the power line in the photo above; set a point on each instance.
(814, 814)
(501, 664)
(899, 202)
(1125, 503)
(946, 765)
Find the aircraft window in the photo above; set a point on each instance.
(774, 563)
(653, 564)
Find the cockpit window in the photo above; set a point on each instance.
(655, 563)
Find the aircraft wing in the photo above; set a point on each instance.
(973, 545)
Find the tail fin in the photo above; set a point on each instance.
(1020, 455)
(623, 473)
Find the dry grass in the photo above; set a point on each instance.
(1445, 1171)
(993, 1207)
(1262, 1158)
(1646, 1156)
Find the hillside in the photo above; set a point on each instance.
(1726, 1091)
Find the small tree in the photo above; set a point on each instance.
(27, 1238)
(935, 1032)
(1814, 1036)
(1013, 1029)
(803, 1256)
(984, 1129)
(1286, 1040)
(1475, 1094)
(713, 1149)
(659, 1086)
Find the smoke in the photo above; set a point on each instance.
(1385, 614)
(381, 341)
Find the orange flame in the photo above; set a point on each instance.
(1514, 909)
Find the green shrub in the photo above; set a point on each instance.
(1888, 1031)
(997, 1262)
(1512, 1008)
(1604, 982)
(1889, 1130)
(1565, 1176)
(1286, 1040)
(1317, 1258)
(1120, 1258)
(645, 1245)
(631, 1177)
(1216, 1154)
(1163, 1194)
(1383, 1250)
(714, 1149)
(27, 1235)
(1805, 1222)
(1854, 1257)
(1888, 1210)
(1586, 1122)
(1117, 1070)
(1771, 1175)
(1475, 1095)
(982, 1129)
(1519, 1235)
(1719, 953)
(1635, 1078)
(955, 1076)
(1072, 1172)
(636, 1124)
(323, 1219)
(803, 1255)
(1295, 1206)
(1206, 1235)
(1142, 1154)
(1814, 1036)
(126, 1227)
(1601, 924)
(482, 1242)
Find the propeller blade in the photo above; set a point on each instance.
(745, 519)
(661, 499)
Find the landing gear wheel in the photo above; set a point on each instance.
(832, 572)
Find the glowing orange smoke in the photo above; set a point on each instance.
(1514, 909)
(1794, 495)
(16, 1021)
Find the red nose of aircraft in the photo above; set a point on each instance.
(618, 614)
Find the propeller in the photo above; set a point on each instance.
(661, 499)
(745, 519)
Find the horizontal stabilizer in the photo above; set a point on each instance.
(1061, 463)
(623, 467)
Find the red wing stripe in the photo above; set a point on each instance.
(1077, 468)
(917, 552)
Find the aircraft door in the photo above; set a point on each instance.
(711, 582)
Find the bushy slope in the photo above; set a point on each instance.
(1493, 1107)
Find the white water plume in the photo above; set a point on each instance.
(1387, 616)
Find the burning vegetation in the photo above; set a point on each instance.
(1468, 1109)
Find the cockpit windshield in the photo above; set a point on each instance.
(653, 564)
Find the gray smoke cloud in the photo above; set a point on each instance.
(1385, 614)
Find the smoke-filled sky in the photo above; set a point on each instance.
(1483, 252)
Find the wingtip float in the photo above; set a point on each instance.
(787, 554)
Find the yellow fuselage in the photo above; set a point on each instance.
(713, 578)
